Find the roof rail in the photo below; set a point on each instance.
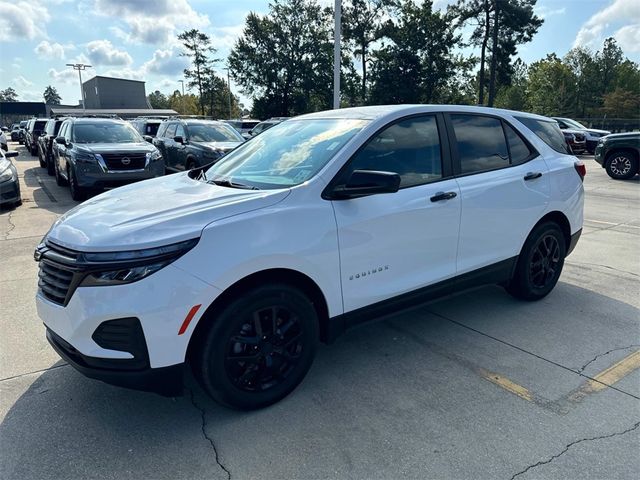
(95, 115)
(152, 117)
(194, 117)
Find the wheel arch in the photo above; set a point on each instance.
(561, 220)
(275, 275)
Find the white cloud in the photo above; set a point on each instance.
(129, 73)
(102, 52)
(65, 75)
(22, 20)
(225, 37)
(629, 38)
(544, 11)
(151, 21)
(49, 51)
(166, 62)
(22, 82)
(623, 13)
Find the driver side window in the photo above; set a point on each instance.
(180, 132)
(410, 148)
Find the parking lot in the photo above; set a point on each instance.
(475, 386)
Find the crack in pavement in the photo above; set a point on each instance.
(12, 225)
(566, 448)
(204, 432)
(603, 354)
(34, 372)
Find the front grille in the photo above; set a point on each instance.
(118, 161)
(58, 275)
(579, 137)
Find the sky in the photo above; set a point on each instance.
(137, 38)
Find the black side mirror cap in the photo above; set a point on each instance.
(366, 182)
(61, 140)
(148, 138)
(178, 139)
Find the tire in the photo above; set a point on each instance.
(77, 192)
(60, 181)
(43, 163)
(190, 165)
(256, 317)
(539, 264)
(622, 165)
(50, 166)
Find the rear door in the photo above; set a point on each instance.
(504, 186)
(395, 243)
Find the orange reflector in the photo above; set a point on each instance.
(188, 318)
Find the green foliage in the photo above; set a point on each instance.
(198, 48)
(51, 96)
(552, 87)
(159, 100)
(8, 95)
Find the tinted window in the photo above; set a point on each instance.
(481, 143)
(105, 132)
(171, 131)
(151, 129)
(40, 124)
(213, 132)
(410, 148)
(518, 149)
(548, 131)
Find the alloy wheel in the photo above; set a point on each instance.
(621, 166)
(545, 261)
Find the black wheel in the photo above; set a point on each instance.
(190, 165)
(50, 166)
(60, 181)
(539, 264)
(258, 348)
(622, 165)
(77, 192)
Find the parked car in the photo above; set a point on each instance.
(576, 140)
(45, 144)
(190, 143)
(9, 183)
(23, 131)
(243, 126)
(97, 153)
(267, 124)
(147, 126)
(592, 134)
(17, 133)
(3, 142)
(320, 223)
(34, 129)
(619, 154)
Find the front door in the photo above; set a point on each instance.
(394, 243)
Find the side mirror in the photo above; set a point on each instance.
(148, 138)
(178, 139)
(11, 153)
(61, 140)
(367, 182)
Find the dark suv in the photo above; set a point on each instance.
(34, 129)
(619, 154)
(97, 153)
(45, 144)
(147, 126)
(188, 143)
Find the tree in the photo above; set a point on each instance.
(284, 59)
(362, 26)
(184, 104)
(582, 64)
(51, 96)
(198, 48)
(608, 61)
(8, 95)
(514, 96)
(551, 87)
(157, 99)
(217, 97)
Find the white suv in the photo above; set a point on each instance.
(320, 223)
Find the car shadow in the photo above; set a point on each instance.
(66, 426)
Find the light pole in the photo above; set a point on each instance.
(182, 82)
(229, 87)
(80, 67)
(336, 54)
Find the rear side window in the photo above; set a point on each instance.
(151, 129)
(410, 148)
(481, 143)
(518, 149)
(40, 125)
(548, 131)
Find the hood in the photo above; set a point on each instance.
(140, 147)
(595, 130)
(624, 135)
(153, 213)
(224, 146)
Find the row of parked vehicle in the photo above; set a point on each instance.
(91, 153)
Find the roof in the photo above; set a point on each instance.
(121, 112)
(115, 78)
(378, 111)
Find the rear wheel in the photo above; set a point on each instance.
(622, 165)
(540, 263)
(259, 348)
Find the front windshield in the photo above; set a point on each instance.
(573, 123)
(105, 132)
(213, 132)
(287, 154)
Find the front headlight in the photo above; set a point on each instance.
(117, 268)
(85, 157)
(6, 174)
(154, 156)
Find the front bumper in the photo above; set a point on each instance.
(167, 381)
(91, 175)
(599, 154)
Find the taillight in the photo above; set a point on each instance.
(580, 168)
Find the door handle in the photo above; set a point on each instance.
(443, 196)
(532, 175)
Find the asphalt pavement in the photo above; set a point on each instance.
(474, 386)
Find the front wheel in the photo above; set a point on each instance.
(539, 264)
(78, 193)
(259, 348)
(622, 166)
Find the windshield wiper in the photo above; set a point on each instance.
(225, 182)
